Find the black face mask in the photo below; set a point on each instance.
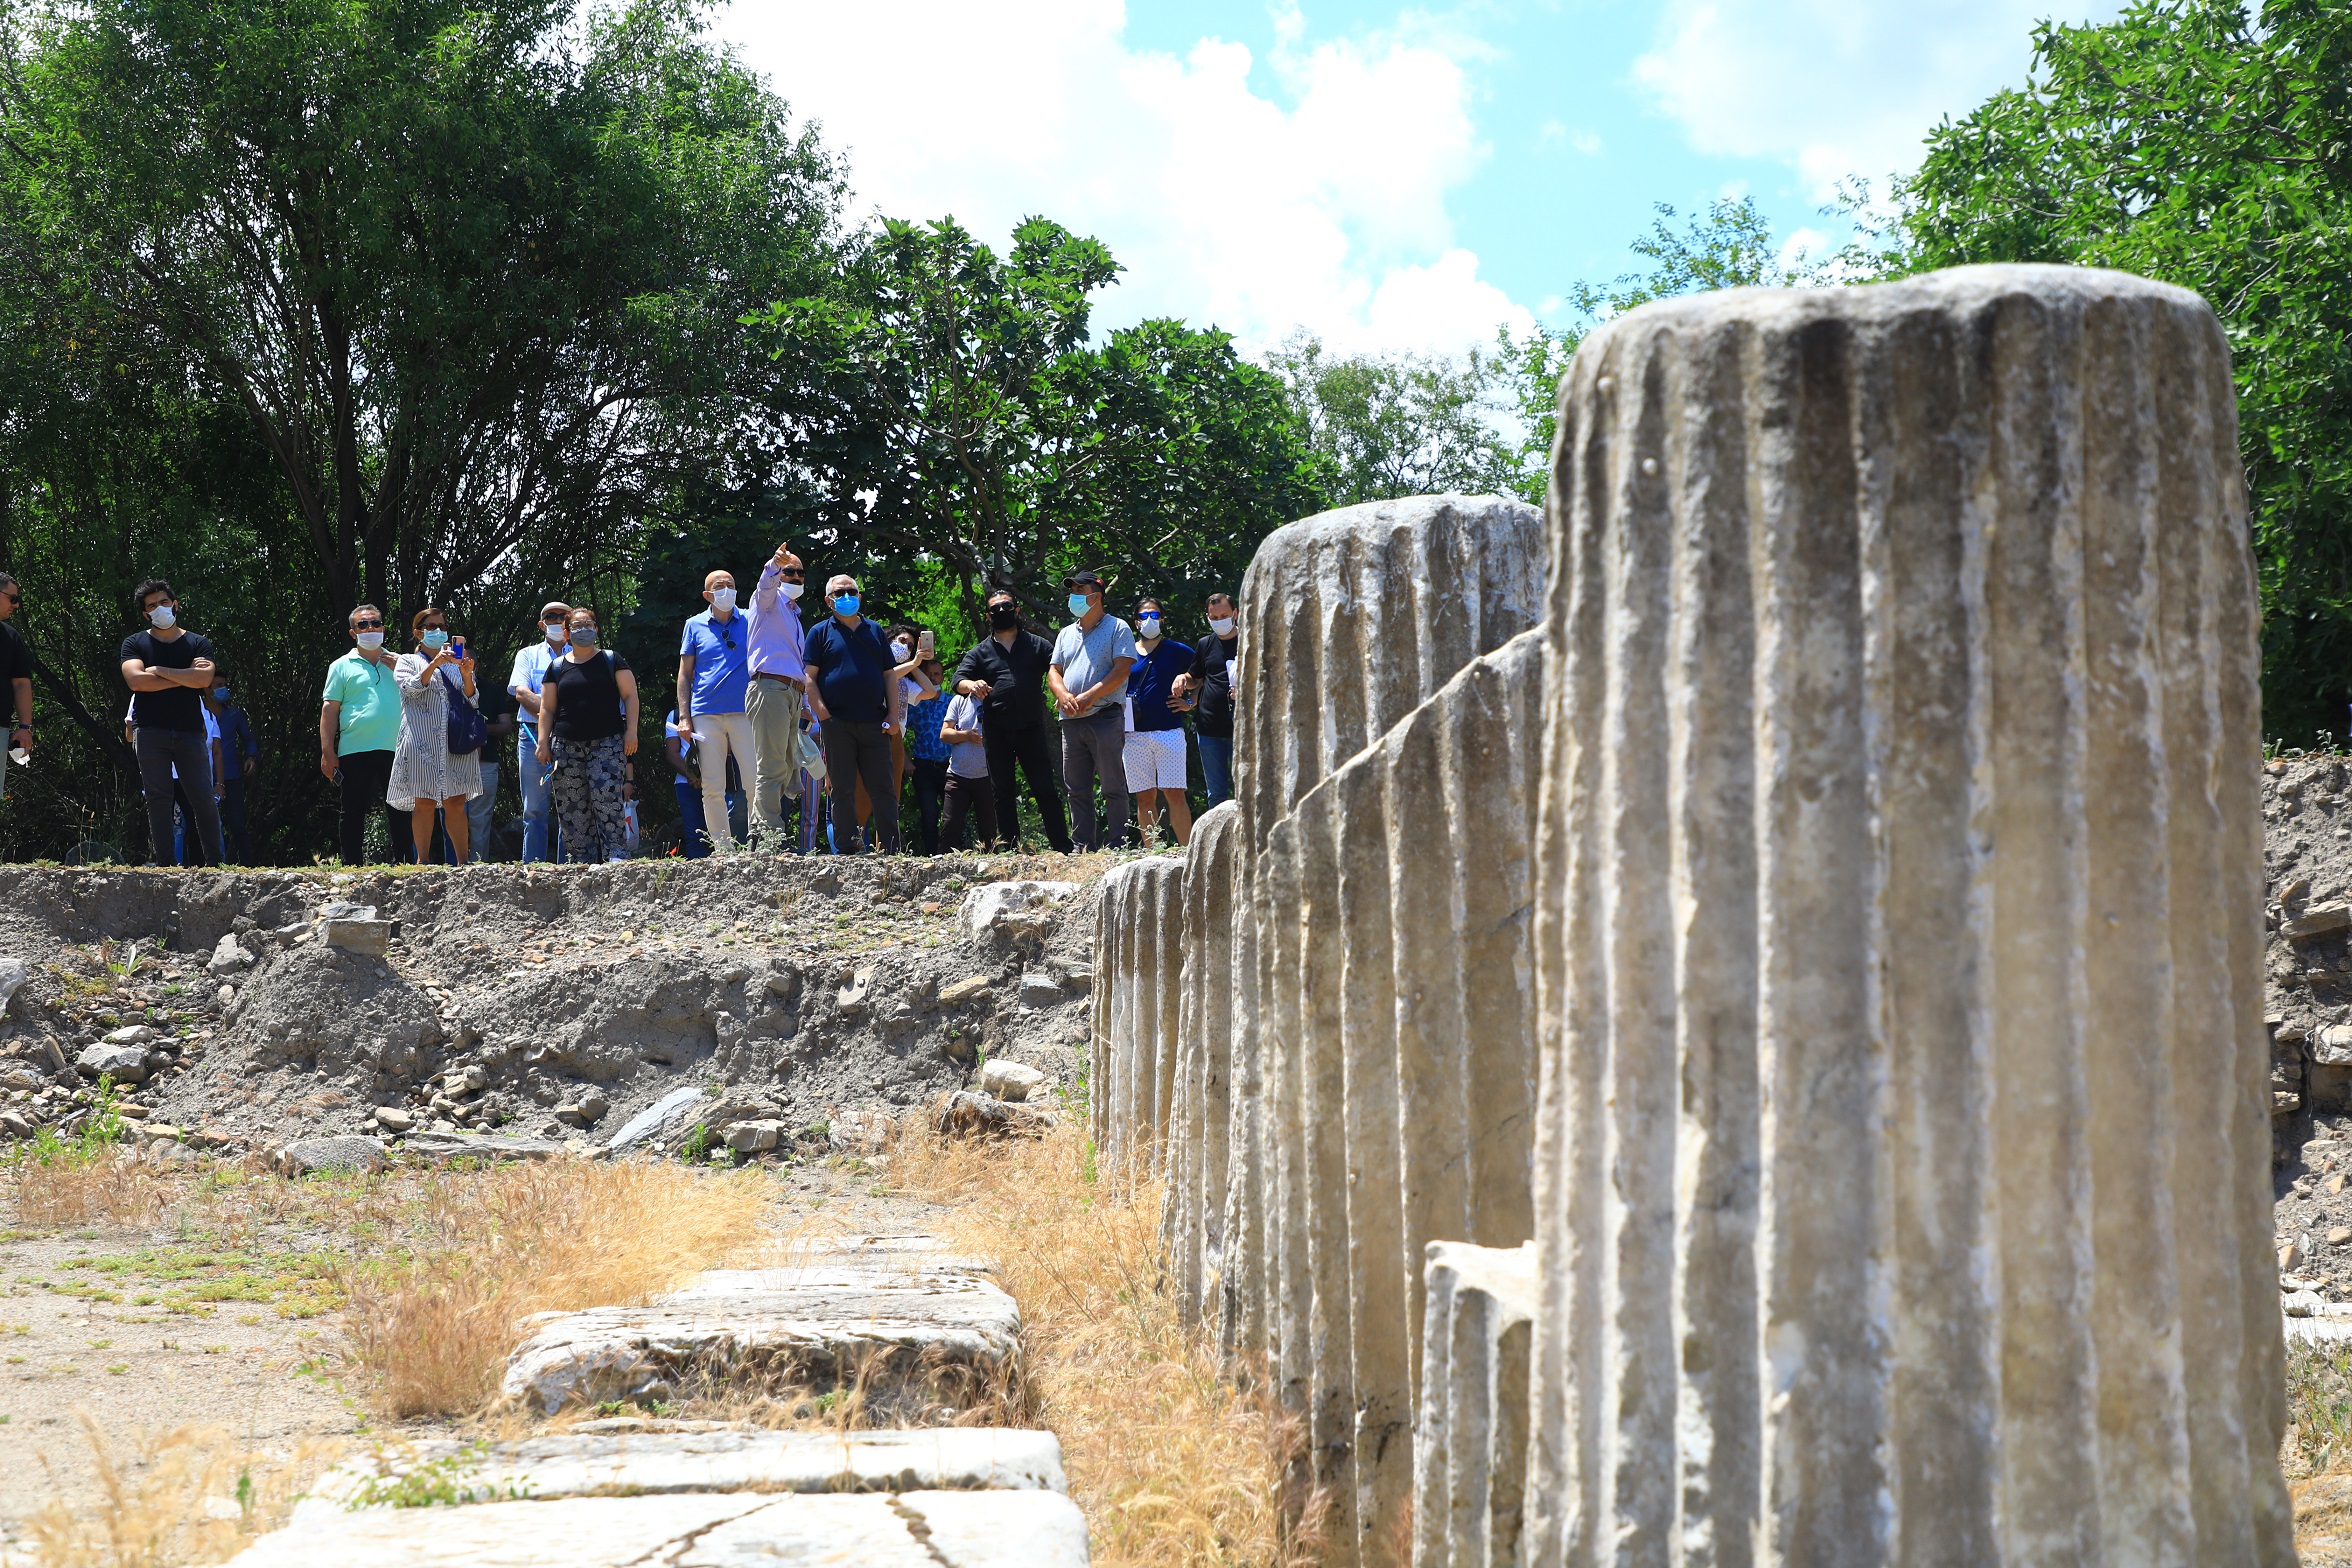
(1004, 617)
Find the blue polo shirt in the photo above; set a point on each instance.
(852, 670)
(722, 653)
(1148, 680)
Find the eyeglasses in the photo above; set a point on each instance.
(791, 576)
(367, 626)
(14, 597)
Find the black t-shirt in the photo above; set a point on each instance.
(1215, 714)
(587, 696)
(14, 665)
(1015, 677)
(175, 707)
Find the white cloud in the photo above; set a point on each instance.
(1323, 206)
(1836, 87)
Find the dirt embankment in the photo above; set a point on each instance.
(797, 989)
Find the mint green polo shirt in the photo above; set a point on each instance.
(371, 704)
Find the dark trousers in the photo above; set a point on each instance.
(191, 752)
(1033, 750)
(1095, 748)
(366, 776)
(930, 789)
(232, 811)
(977, 796)
(854, 753)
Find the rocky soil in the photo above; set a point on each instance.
(811, 997)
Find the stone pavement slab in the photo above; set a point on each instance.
(927, 1337)
(542, 1469)
(1030, 1529)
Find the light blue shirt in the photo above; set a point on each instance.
(530, 673)
(1085, 657)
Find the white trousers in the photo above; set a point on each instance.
(718, 736)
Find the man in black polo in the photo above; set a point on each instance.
(1006, 670)
(858, 707)
(168, 667)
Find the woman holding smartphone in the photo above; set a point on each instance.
(426, 778)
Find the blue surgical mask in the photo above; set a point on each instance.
(845, 604)
(1078, 603)
(583, 636)
(434, 639)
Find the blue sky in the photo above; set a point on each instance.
(1387, 178)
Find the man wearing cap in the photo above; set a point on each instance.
(1088, 680)
(1006, 671)
(523, 683)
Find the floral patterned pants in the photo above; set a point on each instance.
(588, 775)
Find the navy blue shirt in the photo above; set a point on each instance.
(1147, 685)
(851, 667)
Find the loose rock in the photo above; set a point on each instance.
(1009, 1081)
(341, 1156)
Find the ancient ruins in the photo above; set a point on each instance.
(1815, 1106)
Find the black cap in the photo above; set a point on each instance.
(1084, 577)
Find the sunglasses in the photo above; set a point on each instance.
(14, 597)
(367, 626)
(791, 576)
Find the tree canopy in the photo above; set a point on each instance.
(2208, 145)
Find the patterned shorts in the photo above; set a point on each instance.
(1155, 760)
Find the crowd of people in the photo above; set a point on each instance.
(785, 735)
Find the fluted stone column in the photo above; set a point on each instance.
(1199, 1139)
(1470, 1445)
(1138, 972)
(1351, 619)
(1902, 1151)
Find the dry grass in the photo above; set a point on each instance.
(108, 1188)
(433, 1322)
(1172, 1464)
(188, 1496)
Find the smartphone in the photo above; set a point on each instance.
(457, 648)
(923, 642)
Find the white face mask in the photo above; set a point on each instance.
(553, 629)
(1223, 628)
(162, 615)
(794, 590)
(1148, 626)
(371, 641)
(723, 599)
(900, 652)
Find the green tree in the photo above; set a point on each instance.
(2208, 145)
(309, 301)
(976, 437)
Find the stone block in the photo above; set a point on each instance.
(123, 1063)
(227, 957)
(1470, 1441)
(431, 1145)
(354, 928)
(917, 1339)
(1026, 1529)
(754, 1137)
(1903, 1189)
(2323, 921)
(543, 1469)
(336, 1156)
(1009, 1081)
(972, 988)
(664, 1118)
(1011, 909)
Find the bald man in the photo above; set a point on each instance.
(713, 670)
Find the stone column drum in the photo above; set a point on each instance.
(1208, 1012)
(1902, 1153)
(1470, 1446)
(1138, 969)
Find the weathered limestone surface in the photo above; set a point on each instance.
(1132, 1078)
(1209, 1011)
(915, 1336)
(1415, 1067)
(1903, 1149)
(1028, 1529)
(542, 1469)
(1470, 1445)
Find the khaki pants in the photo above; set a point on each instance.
(718, 736)
(775, 713)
